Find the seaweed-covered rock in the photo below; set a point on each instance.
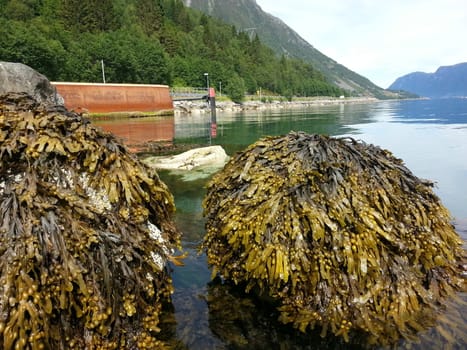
(338, 232)
(85, 234)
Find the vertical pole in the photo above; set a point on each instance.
(103, 72)
(207, 82)
(212, 102)
(208, 100)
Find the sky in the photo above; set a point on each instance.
(380, 39)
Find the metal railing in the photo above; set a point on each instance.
(188, 93)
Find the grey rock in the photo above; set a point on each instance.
(20, 78)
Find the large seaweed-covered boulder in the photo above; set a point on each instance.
(85, 235)
(338, 232)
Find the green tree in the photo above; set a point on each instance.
(235, 88)
(151, 15)
(20, 10)
(50, 10)
(131, 57)
(89, 15)
(170, 39)
(25, 44)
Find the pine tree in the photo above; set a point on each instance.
(151, 15)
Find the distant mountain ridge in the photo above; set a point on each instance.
(247, 15)
(447, 81)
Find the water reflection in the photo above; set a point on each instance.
(432, 149)
(429, 135)
(246, 322)
(241, 129)
(137, 132)
(439, 111)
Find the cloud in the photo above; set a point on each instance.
(380, 40)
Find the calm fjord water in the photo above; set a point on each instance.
(430, 136)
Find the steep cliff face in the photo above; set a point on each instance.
(248, 16)
(447, 81)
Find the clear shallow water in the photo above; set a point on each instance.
(431, 138)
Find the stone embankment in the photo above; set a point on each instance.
(198, 107)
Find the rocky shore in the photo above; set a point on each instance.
(199, 107)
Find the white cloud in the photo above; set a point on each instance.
(380, 39)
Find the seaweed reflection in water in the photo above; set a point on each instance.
(215, 315)
(235, 320)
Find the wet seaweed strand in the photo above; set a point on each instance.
(85, 231)
(340, 232)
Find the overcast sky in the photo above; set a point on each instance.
(380, 39)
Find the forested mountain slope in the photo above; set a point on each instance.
(248, 16)
(148, 41)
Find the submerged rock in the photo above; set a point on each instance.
(211, 156)
(85, 234)
(340, 234)
(193, 164)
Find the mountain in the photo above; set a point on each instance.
(248, 16)
(447, 81)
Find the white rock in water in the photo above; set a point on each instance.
(199, 157)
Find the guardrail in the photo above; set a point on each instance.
(188, 93)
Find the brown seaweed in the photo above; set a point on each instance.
(339, 232)
(85, 234)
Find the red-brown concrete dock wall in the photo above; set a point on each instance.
(109, 98)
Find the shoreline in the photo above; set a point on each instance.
(199, 107)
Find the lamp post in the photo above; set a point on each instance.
(207, 81)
